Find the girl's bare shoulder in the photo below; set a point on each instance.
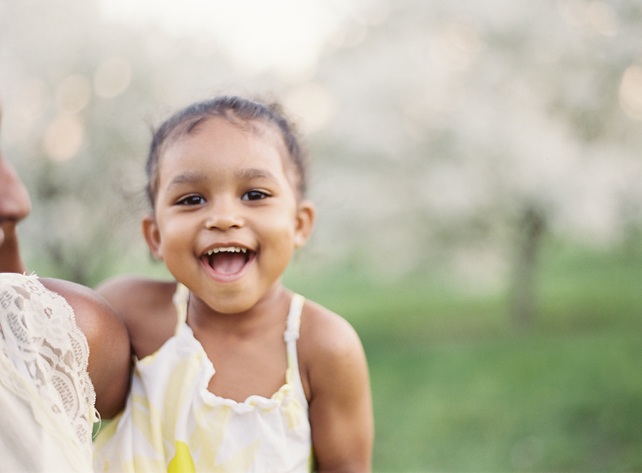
(326, 330)
(145, 306)
(327, 344)
(131, 294)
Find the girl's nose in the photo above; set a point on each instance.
(224, 215)
(14, 199)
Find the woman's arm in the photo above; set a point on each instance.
(109, 348)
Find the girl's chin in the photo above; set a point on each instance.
(231, 305)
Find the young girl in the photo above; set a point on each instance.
(235, 373)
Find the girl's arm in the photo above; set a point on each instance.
(340, 401)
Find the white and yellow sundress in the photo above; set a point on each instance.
(173, 423)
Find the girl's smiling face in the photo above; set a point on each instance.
(227, 216)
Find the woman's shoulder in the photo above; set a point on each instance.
(107, 337)
(92, 312)
(77, 295)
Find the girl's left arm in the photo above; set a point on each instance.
(340, 400)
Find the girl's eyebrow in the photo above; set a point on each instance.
(252, 173)
(199, 177)
(189, 177)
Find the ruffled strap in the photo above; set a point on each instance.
(294, 319)
(291, 336)
(180, 300)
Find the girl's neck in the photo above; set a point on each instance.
(271, 307)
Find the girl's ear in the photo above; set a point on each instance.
(306, 214)
(152, 236)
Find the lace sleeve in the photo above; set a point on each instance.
(44, 357)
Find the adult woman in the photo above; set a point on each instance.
(64, 354)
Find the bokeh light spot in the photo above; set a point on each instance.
(64, 137)
(112, 77)
(631, 92)
(73, 93)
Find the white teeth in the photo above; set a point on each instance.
(227, 249)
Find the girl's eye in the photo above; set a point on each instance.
(254, 195)
(191, 200)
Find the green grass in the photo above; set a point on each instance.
(567, 404)
(455, 389)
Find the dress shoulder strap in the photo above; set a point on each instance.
(291, 335)
(294, 319)
(180, 300)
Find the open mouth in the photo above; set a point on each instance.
(228, 260)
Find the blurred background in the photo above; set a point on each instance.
(477, 167)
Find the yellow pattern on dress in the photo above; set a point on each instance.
(182, 461)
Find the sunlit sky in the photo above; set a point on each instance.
(286, 35)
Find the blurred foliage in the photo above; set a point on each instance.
(455, 390)
(439, 124)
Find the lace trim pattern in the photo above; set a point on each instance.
(42, 349)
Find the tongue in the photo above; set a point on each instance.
(227, 263)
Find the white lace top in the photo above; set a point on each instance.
(46, 397)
